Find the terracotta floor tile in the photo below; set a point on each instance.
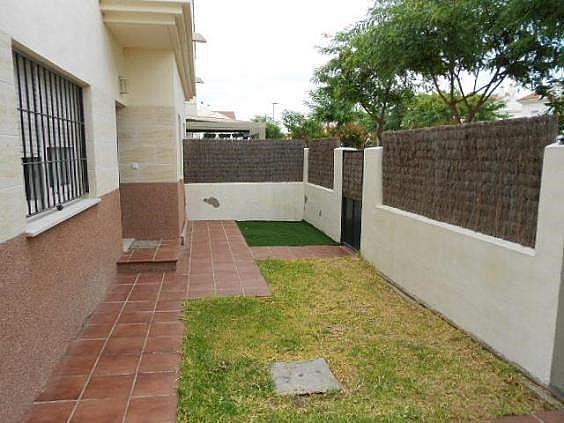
(100, 318)
(100, 410)
(109, 307)
(233, 292)
(96, 331)
(144, 294)
(226, 278)
(116, 295)
(130, 330)
(136, 317)
(167, 329)
(225, 267)
(201, 278)
(124, 364)
(174, 286)
(159, 362)
(55, 412)
(551, 416)
(151, 410)
(62, 388)
(150, 277)
(152, 384)
(75, 365)
(124, 278)
(115, 387)
(139, 306)
(169, 305)
(168, 316)
(129, 345)
(172, 295)
(168, 344)
(85, 347)
(201, 285)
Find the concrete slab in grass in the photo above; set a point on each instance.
(304, 377)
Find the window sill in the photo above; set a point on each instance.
(42, 224)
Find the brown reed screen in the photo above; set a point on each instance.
(482, 176)
(320, 162)
(211, 161)
(353, 163)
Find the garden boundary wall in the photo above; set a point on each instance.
(505, 294)
(244, 180)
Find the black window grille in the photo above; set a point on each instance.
(53, 139)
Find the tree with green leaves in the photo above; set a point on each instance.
(273, 130)
(302, 127)
(425, 110)
(358, 74)
(465, 49)
(327, 106)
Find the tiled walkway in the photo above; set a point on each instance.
(221, 263)
(124, 365)
(290, 253)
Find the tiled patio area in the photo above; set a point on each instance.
(123, 366)
(292, 253)
(221, 263)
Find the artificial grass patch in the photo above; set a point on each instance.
(396, 360)
(273, 234)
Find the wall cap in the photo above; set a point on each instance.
(43, 223)
(463, 231)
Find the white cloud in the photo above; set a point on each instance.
(261, 51)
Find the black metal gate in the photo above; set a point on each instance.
(351, 222)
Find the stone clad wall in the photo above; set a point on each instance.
(220, 161)
(482, 176)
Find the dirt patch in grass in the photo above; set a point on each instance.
(397, 361)
(285, 234)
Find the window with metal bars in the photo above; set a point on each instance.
(52, 132)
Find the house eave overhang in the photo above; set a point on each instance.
(157, 24)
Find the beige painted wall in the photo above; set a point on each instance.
(502, 293)
(149, 139)
(149, 77)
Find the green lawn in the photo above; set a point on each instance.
(271, 234)
(397, 361)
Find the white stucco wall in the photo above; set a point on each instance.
(504, 294)
(246, 201)
(69, 34)
(323, 205)
(71, 38)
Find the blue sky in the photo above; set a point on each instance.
(264, 51)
